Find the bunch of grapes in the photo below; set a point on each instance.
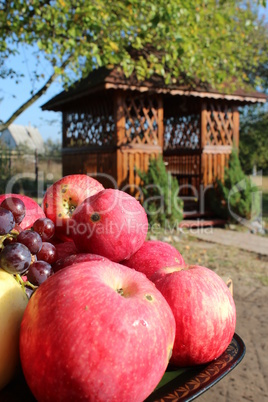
(26, 254)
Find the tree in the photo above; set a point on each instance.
(195, 42)
(161, 195)
(236, 198)
(253, 146)
(52, 148)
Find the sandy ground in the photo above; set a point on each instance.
(249, 380)
(245, 241)
(243, 257)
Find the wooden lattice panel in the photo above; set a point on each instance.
(91, 127)
(141, 121)
(182, 132)
(219, 125)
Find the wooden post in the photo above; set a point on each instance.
(161, 129)
(236, 127)
(203, 131)
(203, 140)
(120, 121)
(63, 144)
(36, 171)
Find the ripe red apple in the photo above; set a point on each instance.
(97, 331)
(111, 223)
(66, 248)
(62, 198)
(204, 311)
(33, 210)
(74, 259)
(153, 255)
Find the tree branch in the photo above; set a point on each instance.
(30, 101)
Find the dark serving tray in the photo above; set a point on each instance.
(187, 384)
(176, 384)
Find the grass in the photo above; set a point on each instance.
(264, 280)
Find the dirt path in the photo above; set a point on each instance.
(249, 272)
(246, 241)
(248, 381)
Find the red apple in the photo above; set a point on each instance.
(64, 249)
(33, 210)
(153, 255)
(97, 331)
(204, 311)
(74, 259)
(111, 223)
(62, 198)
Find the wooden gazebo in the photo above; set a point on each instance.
(111, 126)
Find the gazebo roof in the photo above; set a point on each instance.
(104, 79)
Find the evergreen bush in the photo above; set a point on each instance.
(235, 198)
(161, 194)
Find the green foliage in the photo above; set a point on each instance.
(192, 42)
(161, 195)
(101, 33)
(235, 198)
(253, 145)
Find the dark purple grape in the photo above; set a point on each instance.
(32, 240)
(7, 221)
(16, 206)
(47, 253)
(44, 227)
(15, 258)
(38, 272)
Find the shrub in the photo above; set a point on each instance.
(235, 198)
(253, 143)
(160, 194)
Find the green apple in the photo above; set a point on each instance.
(13, 301)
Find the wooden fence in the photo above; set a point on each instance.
(26, 172)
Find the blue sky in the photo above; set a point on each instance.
(13, 95)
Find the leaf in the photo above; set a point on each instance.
(207, 41)
(114, 46)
